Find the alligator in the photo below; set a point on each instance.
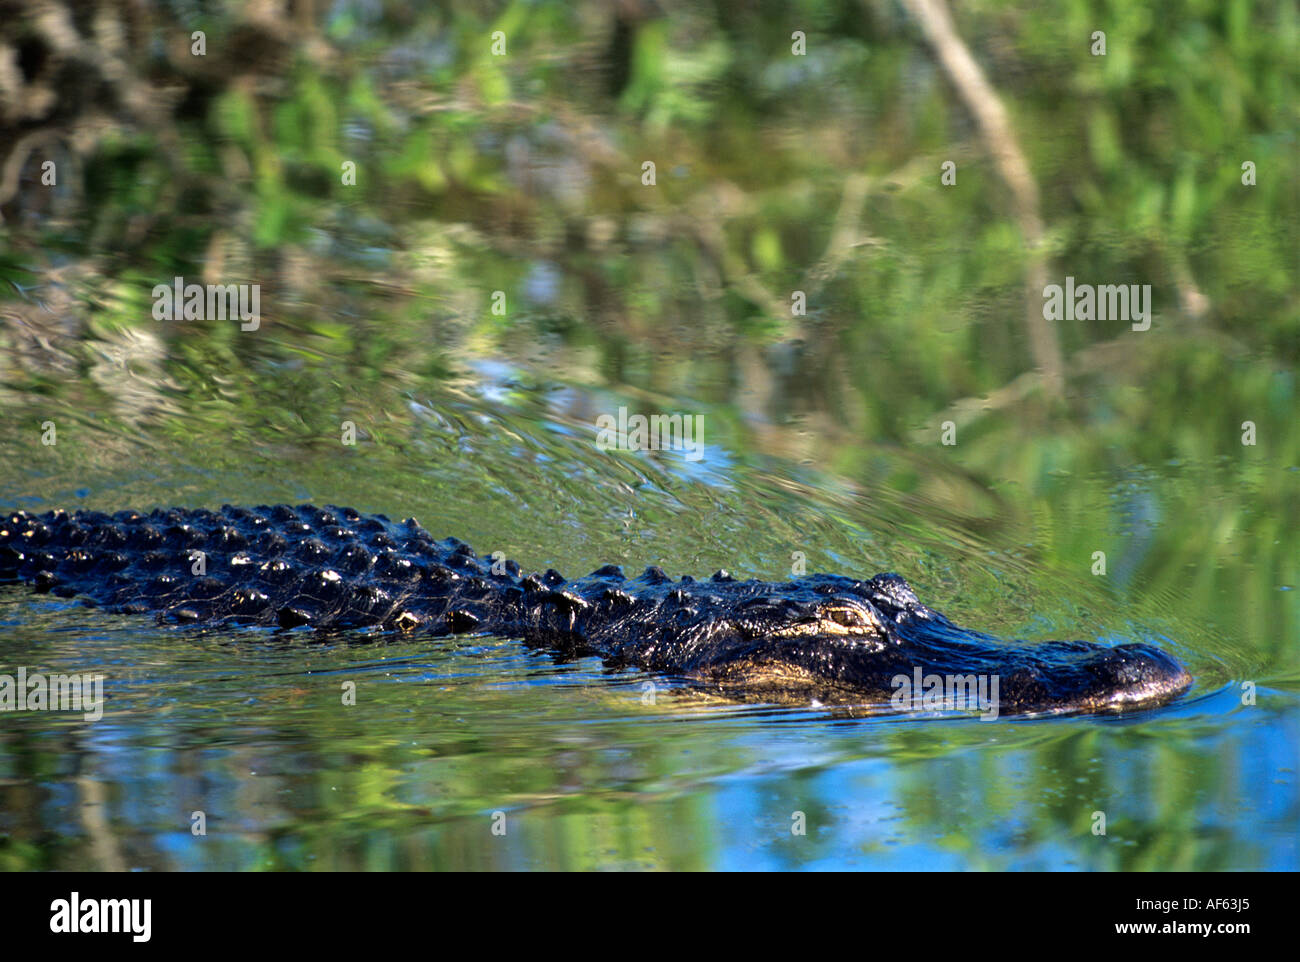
(825, 638)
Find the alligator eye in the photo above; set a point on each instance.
(848, 617)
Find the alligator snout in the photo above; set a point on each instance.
(1058, 677)
(1140, 673)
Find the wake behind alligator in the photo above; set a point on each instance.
(832, 638)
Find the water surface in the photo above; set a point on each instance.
(591, 768)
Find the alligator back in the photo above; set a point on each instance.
(328, 567)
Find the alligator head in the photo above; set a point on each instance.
(845, 641)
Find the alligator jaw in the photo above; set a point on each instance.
(910, 672)
(1122, 678)
(1056, 678)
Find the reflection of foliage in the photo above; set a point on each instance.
(776, 173)
(587, 779)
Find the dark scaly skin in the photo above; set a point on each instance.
(829, 637)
